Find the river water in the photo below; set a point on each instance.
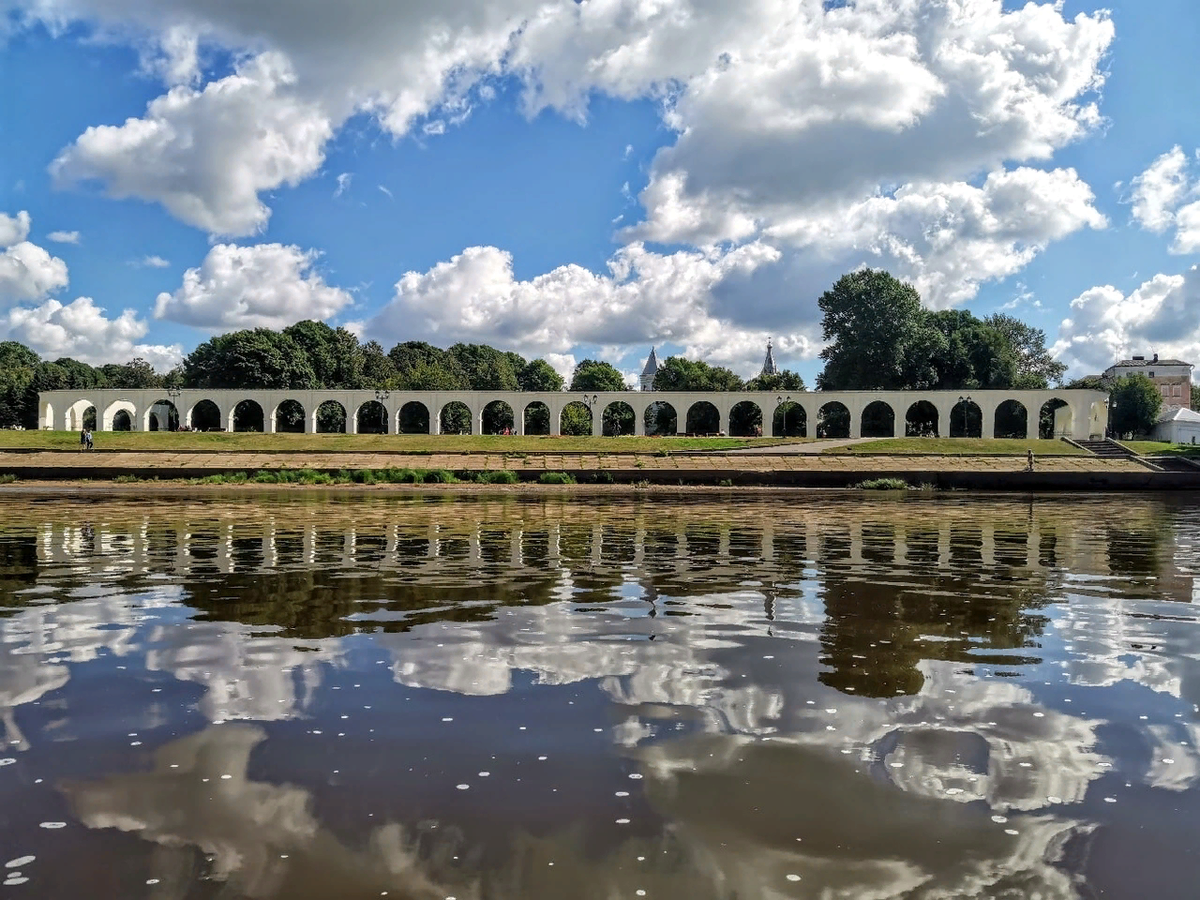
(818, 695)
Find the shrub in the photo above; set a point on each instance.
(603, 478)
(556, 478)
(364, 476)
(725, 482)
(883, 484)
(504, 476)
(7, 478)
(440, 476)
(126, 479)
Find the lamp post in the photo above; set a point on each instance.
(780, 401)
(963, 400)
(173, 395)
(382, 395)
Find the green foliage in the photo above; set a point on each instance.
(679, 374)
(725, 482)
(1135, 404)
(486, 368)
(1195, 396)
(784, 380)
(594, 375)
(883, 484)
(439, 476)
(504, 476)
(556, 478)
(249, 359)
(8, 478)
(422, 367)
(539, 375)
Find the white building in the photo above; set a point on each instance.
(1178, 425)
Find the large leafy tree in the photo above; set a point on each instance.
(538, 375)
(594, 375)
(1036, 368)
(679, 374)
(18, 403)
(879, 335)
(135, 374)
(1135, 404)
(486, 368)
(333, 354)
(249, 359)
(784, 380)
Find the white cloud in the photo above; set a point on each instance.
(645, 298)
(153, 262)
(27, 272)
(343, 183)
(1159, 197)
(265, 285)
(81, 331)
(1106, 325)
(206, 154)
(63, 237)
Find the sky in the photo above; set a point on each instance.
(590, 179)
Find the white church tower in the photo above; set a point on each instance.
(769, 367)
(648, 373)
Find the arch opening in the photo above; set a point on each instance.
(536, 418)
(371, 418)
(413, 418)
(703, 418)
(248, 416)
(576, 419)
(162, 415)
(789, 420)
(108, 421)
(746, 419)
(455, 418)
(289, 417)
(833, 420)
(331, 418)
(921, 420)
(660, 418)
(498, 418)
(1012, 420)
(1055, 419)
(205, 416)
(618, 419)
(122, 421)
(878, 420)
(966, 419)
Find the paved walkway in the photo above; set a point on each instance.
(811, 448)
(103, 464)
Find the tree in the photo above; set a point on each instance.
(18, 403)
(1195, 397)
(679, 374)
(879, 336)
(539, 375)
(249, 359)
(1135, 403)
(785, 380)
(594, 375)
(1089, 383)
(1036, 368)
(135, 374)
(378, 370)
(486, 368)
(333, 354)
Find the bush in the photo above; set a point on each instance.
(126, 479)
(440, 476)
(725, 482)
(603, 478)
(883, 484)
(556, 478)
(504, 476)
(7, 478)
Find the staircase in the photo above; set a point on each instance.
(1107, 449)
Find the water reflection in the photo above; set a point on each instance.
(505, 698)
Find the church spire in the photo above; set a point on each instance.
(769, 367)
(648, 373)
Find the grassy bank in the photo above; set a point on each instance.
(424, 444)
(957, 447)
(1161, 448)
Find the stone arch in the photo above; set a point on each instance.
(618, 419)
(247, 415)
(575, 419)
(878, 420)
(746, 419)
(536, 418)
(80, 415)
(789, 420)
(1056, 418)
(498, 417)
(703, 418)
(371, 418)
(660, 418)
(455, 418)
(205, 415)
(833, 420)
(122, 420)
(161, 415)
(1012, 420)
(413, 418)
(289, 417)
(966, 419)
(330, 418)
(110, 412)
(921, 420)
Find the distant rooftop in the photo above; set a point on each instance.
(1139, 361)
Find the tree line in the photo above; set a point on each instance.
(878, 337)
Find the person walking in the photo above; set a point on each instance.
(83, 439)
(1029, 460)
(88, 437)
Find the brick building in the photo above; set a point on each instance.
(1173, 377)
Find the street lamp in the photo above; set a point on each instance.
(780, 401)
(382, 395)
(173, 395)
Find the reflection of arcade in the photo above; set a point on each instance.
(899, 582)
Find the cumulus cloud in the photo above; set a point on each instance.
(206, 154)
(645, 297)
(1159, 197)
(63, 237)
(81, 331)
(1106, 324)
(152, 262)
(265, 285)
(27, 272)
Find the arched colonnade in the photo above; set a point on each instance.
(1077, 414)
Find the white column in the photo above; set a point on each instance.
(269, 419)
(597, 411)
(988, 423)
(519, 419)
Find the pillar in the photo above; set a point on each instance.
(597, 420)
(856, 419)
(351, 421)
(726, 420)
(519, 421)
(269, 420)
(555, 422)
(435, 420)
(639, 423)
(987, 427)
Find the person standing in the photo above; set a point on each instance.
(88, 435)
(83, 439)
(1029, 460)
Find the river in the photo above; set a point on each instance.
(811, 695)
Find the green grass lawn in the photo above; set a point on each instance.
(217, 442)
(958, 447)
(1161, 448)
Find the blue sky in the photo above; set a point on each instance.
(571, 180)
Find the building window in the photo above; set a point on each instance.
(1175, 391)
